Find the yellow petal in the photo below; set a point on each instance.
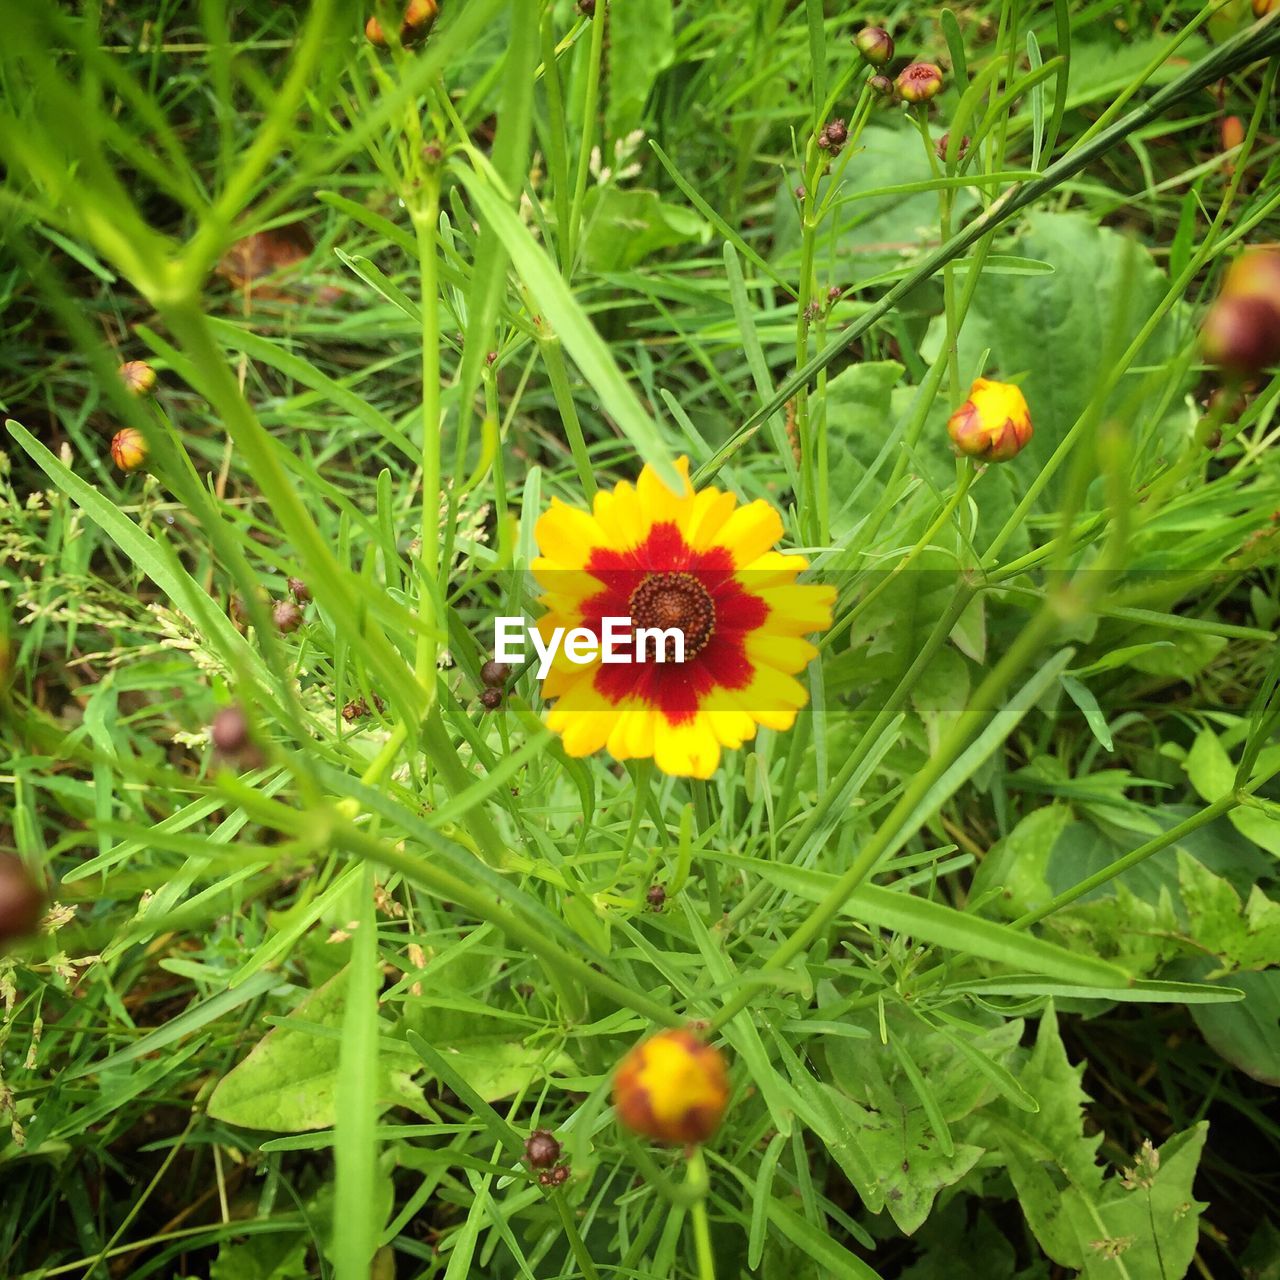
(797, 609)
(686, 750)
(566, 535)
(750, 532)
(784, 653)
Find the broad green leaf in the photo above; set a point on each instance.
(288, 1082)
(1209, 767)
(1245, 937)
(1247, 1034)
(626, 226)
(641, 47)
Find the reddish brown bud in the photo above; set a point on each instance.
(556, 1177)
(286, 615)
(419, 15)
(491, 699)
(875, 44)
(495, 674)
(138, 377)
(299, 590)
(229, 731)
(656, 897)
(587, 8)
(961, 151)
(919, 82)
(129, 449)
(21, 900)
(541, 1150)
(881, 85)
(1241, 334)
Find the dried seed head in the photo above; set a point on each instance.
(491, 699)
(138, 377)
(495, 674)
(129, 449)
(993, 424)
(656, 897)
(875, 44)
(672, 1087)
(21, 900)
(299, 590)
(919, 82)
(541, 1150)
(286, 615)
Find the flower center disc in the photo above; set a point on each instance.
(667, 600)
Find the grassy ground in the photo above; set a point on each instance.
(998, 909)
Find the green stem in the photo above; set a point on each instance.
(698, 1184)
(590, 105)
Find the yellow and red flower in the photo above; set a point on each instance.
(672, 1087)
(993, 424)
(698, 562)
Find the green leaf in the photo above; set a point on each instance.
(1247, 1034)
(624, 227)
(1209, 767)
(288, 1083)
(641, 47)
(1243, 938)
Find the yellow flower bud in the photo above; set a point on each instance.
(672, 1087)
(919, 82)
(993, 424)
(138, 377)
(129, 449)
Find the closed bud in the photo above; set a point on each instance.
(881, 85)
(673, 1088)
(1241, 331)
(875, 44)
(837, 133)
(286, 615)
(656, 897)
(138, 377)
(229, 731)
(494, 674)
(556, 1177)
(419, 15)
(129, 449)
(993, 424)
(919, 82)
(1263, 7)
(21, 900)
(1241, 335)
(945, 141)
(587, 8)
(491, 699)
(541, 1150)
(299, 590)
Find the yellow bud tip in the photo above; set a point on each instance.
(138, 377)
(128, 449)
(673, 1088)
(993, 424)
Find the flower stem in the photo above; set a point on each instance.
(698, 1184)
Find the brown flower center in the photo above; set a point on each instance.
(675, 600)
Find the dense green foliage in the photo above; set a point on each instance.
(990, 938)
